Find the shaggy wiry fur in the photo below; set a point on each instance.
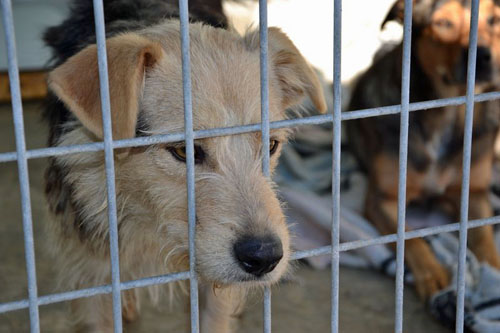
(233, 198)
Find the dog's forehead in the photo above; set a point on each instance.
(438, 4)
(460, 7)
(457, 15)
(225, 84)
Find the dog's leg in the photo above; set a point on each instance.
(129, 306)
(219, 308)
(480, 240)
(93, 314)
(430, 275)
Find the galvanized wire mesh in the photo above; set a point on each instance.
(21, 155)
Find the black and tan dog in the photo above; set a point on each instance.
(438, 70)
(242, 240)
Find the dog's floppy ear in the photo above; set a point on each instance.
(295, 76)
(396, 13)
(422, 10)
(76, 82)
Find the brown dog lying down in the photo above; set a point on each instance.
(438, 70)
(242, 240)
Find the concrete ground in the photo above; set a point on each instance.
(366, 298)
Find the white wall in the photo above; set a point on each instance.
(309, 23)
(31, 17)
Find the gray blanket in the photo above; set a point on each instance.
(304, 176)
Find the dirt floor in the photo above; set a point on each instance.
(303, 305)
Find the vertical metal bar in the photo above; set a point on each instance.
(22, 163)
(464, 200)
(264, 104)
(337, 126)
(109, 163)
(188, 130)
(403, 159)
(264, 86)
(267, 310)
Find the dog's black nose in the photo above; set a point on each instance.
(258, 255)
(483, 55)
(483, 64)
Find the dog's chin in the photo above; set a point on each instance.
(263, 281)
(246, 282)
(243, 279)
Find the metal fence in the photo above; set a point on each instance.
(22, 155)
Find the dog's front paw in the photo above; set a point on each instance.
(430, 278)
(492, 258)
(430, 275)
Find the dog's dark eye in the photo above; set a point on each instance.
(179, 153)
(492, 20)
(273, 146)
(444, 23)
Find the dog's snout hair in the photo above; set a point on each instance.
(237, 200)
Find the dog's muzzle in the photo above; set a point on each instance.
(258, 255)
(484, 65)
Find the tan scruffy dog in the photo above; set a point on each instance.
(242, 239)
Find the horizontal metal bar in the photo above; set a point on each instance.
(150, 281)
(70, 295)
(223, 131)
(55, 151)
(325, 250)
(88, 292)
(435, 103)
(424, 232)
